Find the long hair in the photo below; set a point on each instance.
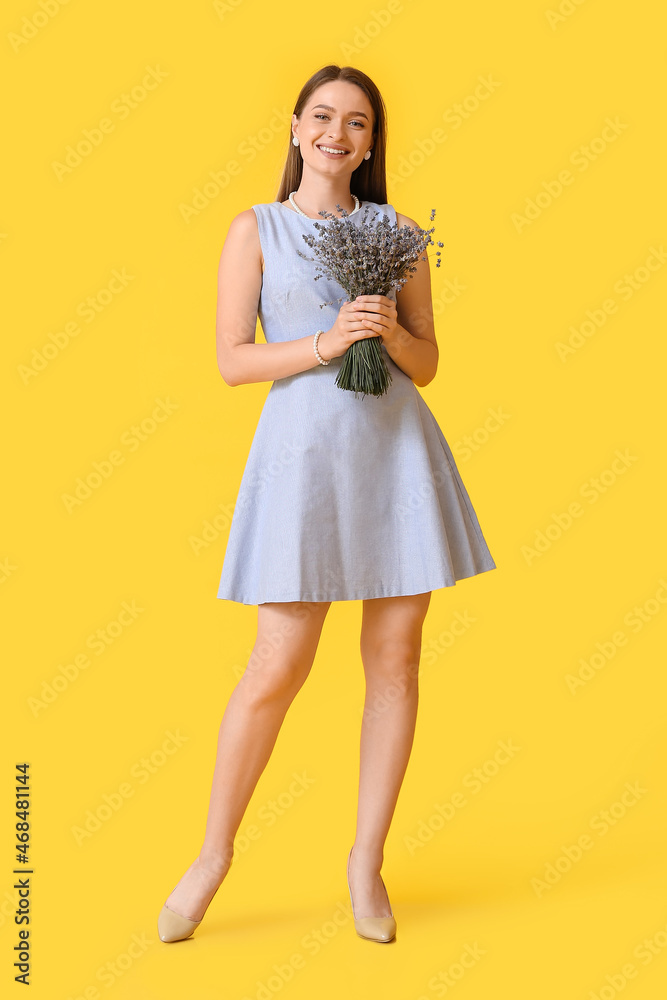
(369, 180)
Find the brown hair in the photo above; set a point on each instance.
(369, 180)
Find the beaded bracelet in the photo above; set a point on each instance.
(317, 353)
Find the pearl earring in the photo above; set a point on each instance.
(367, 154)
(295, 140)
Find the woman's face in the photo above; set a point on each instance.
(339, 116)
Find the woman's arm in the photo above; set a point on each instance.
(240, 359)
(412, 344)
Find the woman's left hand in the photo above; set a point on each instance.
(378, 313)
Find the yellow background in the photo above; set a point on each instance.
(66, 574)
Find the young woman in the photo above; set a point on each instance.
(343, 497)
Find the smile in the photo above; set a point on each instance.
(335, 152)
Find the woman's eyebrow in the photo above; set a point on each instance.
(359, 114)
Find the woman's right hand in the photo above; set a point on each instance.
(348, 328)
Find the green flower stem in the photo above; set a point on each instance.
(364, 368)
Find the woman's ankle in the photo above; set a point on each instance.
(215, 862)
(371, 857)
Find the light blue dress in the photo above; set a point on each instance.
(343, 497)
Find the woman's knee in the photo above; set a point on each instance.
(393, 663)
(287, 639)
(393, 650)
(274, 682)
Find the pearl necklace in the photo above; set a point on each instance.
(357, 206)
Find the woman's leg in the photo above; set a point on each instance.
(391, 634)
(287, 638)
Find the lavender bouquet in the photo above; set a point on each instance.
(366, 260)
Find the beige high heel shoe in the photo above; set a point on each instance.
(171, 926)
(372, 928)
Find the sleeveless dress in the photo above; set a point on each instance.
(343, 497)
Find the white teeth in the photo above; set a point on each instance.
(341, 152)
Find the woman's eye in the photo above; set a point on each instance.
(322, 115)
